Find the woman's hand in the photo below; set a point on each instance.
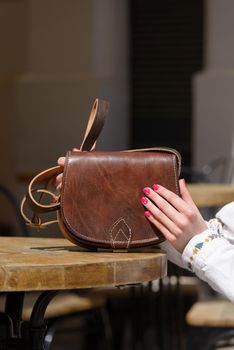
(176, 217)
(59, 178)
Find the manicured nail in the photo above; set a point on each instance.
(146, 190)
(144, 200)
(147, 214)
(155, 187)
(75, 149)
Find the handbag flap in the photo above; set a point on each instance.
(101, 197)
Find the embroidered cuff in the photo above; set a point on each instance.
(198, 242)
(225, 215)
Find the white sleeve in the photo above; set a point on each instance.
(211, 257)
(173, 255)
(226, 217)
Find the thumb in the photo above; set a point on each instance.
(185, 195)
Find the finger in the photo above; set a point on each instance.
(59, 178)
(164, 205)
(167, 234)
(172, 198)
(59, 188)
(159, 215)
(185, 193)
(61, 161)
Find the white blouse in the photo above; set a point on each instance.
(210, 255)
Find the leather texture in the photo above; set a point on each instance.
(100, 203)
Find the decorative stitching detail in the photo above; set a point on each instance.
(123, 231)
(215, 226)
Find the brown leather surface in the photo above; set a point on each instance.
(101, 198)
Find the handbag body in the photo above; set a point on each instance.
(100, 203)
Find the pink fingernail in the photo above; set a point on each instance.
(155, 187)
(147, 214)
(144, 200)
(146, 190)
(75, 149)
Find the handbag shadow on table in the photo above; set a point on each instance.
(100, 205)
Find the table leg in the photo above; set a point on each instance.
(13, 308)
(5, 330)
(11, 321)
(37, 327)
(16, 334)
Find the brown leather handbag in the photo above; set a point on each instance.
(100, 204)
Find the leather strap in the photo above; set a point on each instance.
(95, 124)
(48, 177)
(94, 127)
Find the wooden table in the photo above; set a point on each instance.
(211, 195)
(50, 265)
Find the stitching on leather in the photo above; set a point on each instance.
(113, 239)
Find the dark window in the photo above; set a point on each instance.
(167, 42)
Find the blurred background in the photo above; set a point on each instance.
(165, 66)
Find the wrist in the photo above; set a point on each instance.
(197, 244)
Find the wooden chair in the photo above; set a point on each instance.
(211, 325)
(80, 316)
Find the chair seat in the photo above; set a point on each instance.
(64, 304)
(219, 313)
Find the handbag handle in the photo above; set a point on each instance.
(94, 127)
(95, 124)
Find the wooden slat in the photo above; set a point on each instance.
(211, 314)
(211, 195)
